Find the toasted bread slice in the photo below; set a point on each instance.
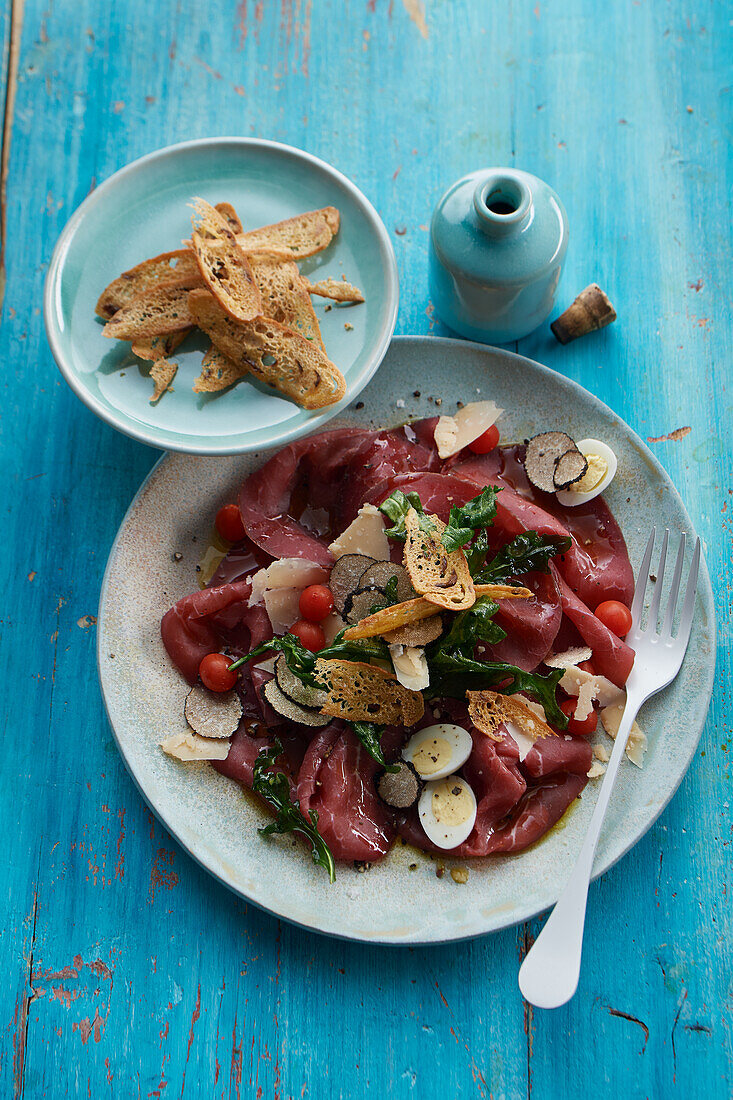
(335, 289)
(157, 312)
(441, 577)
(159, 347)
(162, 372)
(223, 264)
(271, 352)
(178, 267)
(296, 237)
(230, 216)
(488, 709)
(217, 372)
(285, 295)
(361, 692)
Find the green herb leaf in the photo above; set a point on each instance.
(472, 626)
(396, 507)
(453, 673)
(371, 738)
(273, 786)
(526, 553)
(463, 521)
(476, 552)
(302, 663)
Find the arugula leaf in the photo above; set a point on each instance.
(472, 626)
(463, 521)
(453, 673)
(274, 788)
(526, 553)
(302, 663)
(396, 507)
(371, 738)
(477, 551)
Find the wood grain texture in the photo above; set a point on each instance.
(127, 970)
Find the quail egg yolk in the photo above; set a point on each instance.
(451, 803)
(432, 755)
(597, 467)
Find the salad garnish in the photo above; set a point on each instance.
(274, 788)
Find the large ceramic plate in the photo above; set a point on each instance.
(143, 210)
(209, 814)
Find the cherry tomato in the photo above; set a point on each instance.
(588, 666)
(485, 442)
(310, 634)
(215, 674)
(616, 616)
(316, 602)
(584, 728)
(229, 523)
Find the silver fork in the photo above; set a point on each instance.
(549, 975)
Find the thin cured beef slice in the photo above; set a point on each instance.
(531, 625)
(189, 629)
(330, 472)
(244, 750)
(498, 784)
(551, 755)
(537, 811)
(612, 657)
(336, 780)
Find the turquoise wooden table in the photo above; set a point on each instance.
(127, 971)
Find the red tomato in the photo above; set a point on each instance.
(485, 442)
(588, 666)
(310, 634)
(215, 674)
(229, 523)
(316, 602)
(616, 616)
(584, 728)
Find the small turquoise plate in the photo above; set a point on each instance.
(143, 210)
(400, 901)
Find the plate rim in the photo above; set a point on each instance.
(144, 433)
(520, 913)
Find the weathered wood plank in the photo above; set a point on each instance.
(129, 971)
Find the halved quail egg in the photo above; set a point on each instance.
(602, 464)
(447, 810)
(439, 750)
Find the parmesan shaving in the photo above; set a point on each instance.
(596, 769)
(365, 535)
(637, 743)
(293, 573)
(410, 666)
(570, 657)
(453, 433)
(189, 746)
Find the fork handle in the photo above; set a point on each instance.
(549, 974)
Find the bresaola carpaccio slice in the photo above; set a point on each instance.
(294, 506)
(199, 623)
(336, 780)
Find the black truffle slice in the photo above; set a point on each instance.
(212, 713)
(543, 451)
(360, 603)
(570, 468)
(400, 789)
(295, 689)
(381, 573)
(345, 577)
(304, 716)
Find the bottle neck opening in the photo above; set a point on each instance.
(503, 204)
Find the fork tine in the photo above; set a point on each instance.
(688, 607)
(675, 589)
(658, 585)
(641, 580)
